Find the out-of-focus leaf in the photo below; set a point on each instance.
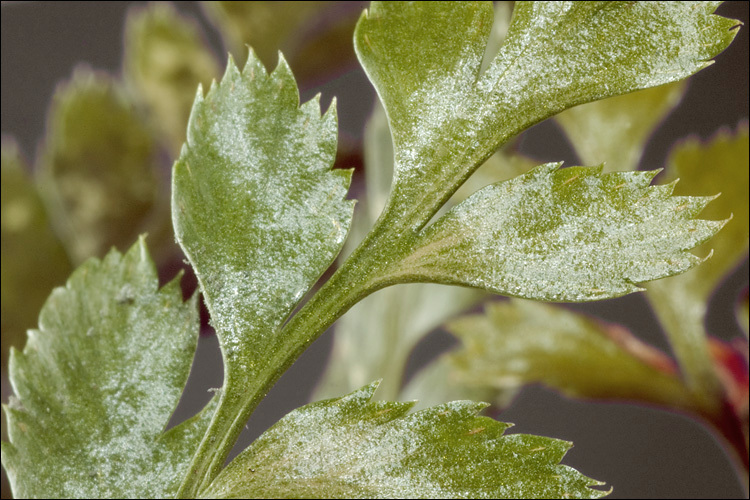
(718, 166)
(97, 166)
(500, 26)
(615, 131)
(446, 117)
(97, 383)
(165, 60)
(521, 342)
(33, 259)
(439, 382)
(257, 208)
(315, 37)
(377, 335)
(353, 448)
(265, 26)
(564, 235)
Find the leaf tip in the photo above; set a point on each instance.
(199, 92)
(710, 254)
(232, 71)
(372, 386)
(141, 246)
(282, 65)
(653, 173)
(332, 107)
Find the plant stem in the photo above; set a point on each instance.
(681, 313)
(364, 272)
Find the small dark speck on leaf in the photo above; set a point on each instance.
(126, 295)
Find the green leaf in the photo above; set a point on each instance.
(563, 235)
(165, 59)
(615, 131)
(256, 207)
(97, 166)
(424, 59)
(680, 302)
(521, 342)
(719, 165)
(97, 383)
(33, 259)
(351, 447)
(260, 215)
(374, 339)
(315, 37)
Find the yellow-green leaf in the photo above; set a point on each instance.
(351, 447)
(33, 259)
(680, 302)
(569, 234)
(522, 342)
(718, 166)
(165, 59)
(315, 37)
(97, 166)
(97, 382)
(614, 131)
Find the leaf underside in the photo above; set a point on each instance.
(97, 383)
(352, 447)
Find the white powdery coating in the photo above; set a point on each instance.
(103, 374)
(355, 448)
(257, 208)
(554, 236)
(556, 55)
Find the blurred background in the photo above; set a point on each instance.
(640, 451)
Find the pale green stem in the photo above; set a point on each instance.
(364, 272)
(372, 266)
(682, 316)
